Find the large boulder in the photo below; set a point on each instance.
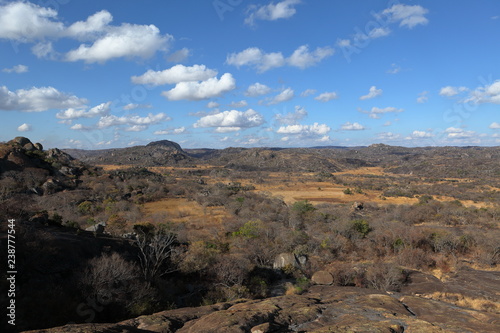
(322, 278)
(286, 259)
(20, 140)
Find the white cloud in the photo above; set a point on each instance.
(459, 133)
(375, 112)
(291, 118)
(92, 28)
(421, 135)
(422, 97)
(450, 91)
(342, 43)
(379, 32)
(179, 55)
(388, 136)
(257, 89)
(237, 105)
(227, 129)
(73, 113)
(373, 92)
(283, 96)
(308, 92)
(495, 125)
(195, 91)
(326, 96)
(80, 127)
(254, 56)
(231, 119)
(305, 130)
(487, 94)
(262, 61)
(24, 128)
(352, 127)
(302, 58)
(136, 123)
(16, 69)
(406, 15)
(272, 11)
(175, 74)
(133, 106)
(175, 131)
(38, 99)
(127, 40)
(25, 22)
(212, 105)
(44, 50)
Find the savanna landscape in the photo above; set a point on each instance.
(156, 238)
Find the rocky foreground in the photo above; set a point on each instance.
(320, 309)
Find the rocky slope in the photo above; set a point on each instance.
(321, 309)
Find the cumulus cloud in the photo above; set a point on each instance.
(450, 91)
(305, 131)
(24, 128)
(175, 74)
(283, 96)
(212, 105)
(231, 119)
(376, 112)
(459, 133)
(80, 127)
(291, 118)
(421, 135)
(135, 123)
(257, 89)
(16, 69)
(174, 131)
(486, 94)
(127, 40)
(352, 127)
(195, 91)
(494, 125)
(271, 12)
(26, 22)
(179, 55)
(407, 16)
(257, 58)
(326, 96)
(73, 113)
(302, 58)
(389, 136)
(38, 99)
(373, 92)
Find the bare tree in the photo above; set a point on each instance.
(155, 250)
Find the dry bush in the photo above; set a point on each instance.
(415, 258)
(385, 276)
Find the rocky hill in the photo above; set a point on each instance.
(158, 153)
(320, 309)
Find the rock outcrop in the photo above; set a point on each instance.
(321, 309)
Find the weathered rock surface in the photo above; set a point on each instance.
(322, 277)
(321, 309)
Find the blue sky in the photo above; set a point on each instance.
(221, 73)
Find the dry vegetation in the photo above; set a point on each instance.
(369, 226)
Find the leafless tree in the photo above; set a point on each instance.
(155, 250)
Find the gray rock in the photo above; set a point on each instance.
(29, 147)
(285, 259)
(21, 140)
(38, 146)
